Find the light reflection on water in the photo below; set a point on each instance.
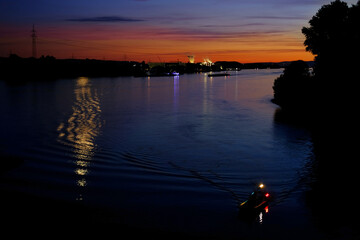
(82, 127)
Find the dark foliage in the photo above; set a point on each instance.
(327, 103)
(333, 37)
(328, 29)
(291, 87)
(15, 68)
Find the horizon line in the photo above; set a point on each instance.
(97, 59)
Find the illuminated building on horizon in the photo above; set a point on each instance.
(191, 59)
(207, 62)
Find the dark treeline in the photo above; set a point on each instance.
(326, 101)
(15, 68)
(330, 91)
(334, 38)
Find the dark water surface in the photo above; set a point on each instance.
(160, 154)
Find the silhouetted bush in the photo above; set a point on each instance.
(291, 89)
(333, 36)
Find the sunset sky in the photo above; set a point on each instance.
(159, 30)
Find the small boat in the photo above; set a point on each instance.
(162, 74)
(218, 74)
(174, 73)
(257, 201)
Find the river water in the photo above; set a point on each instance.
(165, 154)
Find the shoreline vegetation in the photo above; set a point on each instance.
(15, 68)
(329, 91)
(326, 102)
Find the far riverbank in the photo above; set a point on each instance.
(15, 68)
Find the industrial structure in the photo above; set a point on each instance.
(191, 59)
(33, 36)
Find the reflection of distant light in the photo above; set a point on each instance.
(82, 82)
(81, 171)
(80, 198)
(82, 163)
(82, 127)
(60, 127)
(81, 182)
(261, 218)
(176, 82)
(176, 92)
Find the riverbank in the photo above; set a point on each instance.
(17, 69)
(47, 68)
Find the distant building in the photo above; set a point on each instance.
(33, 37)
(191, 59)
(156, 64)
(207, 62)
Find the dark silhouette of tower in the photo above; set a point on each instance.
(33, 36)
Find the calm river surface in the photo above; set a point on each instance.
(167, 154)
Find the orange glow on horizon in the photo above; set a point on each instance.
(154, 44)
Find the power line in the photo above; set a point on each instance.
(33, 36)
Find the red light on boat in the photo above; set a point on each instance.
(267, 195)
(267, 209)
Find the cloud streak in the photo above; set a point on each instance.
(201, 34)
(105, 19)
(279, 17)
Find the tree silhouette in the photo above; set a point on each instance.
(328, 29)
(333, 36)
(291, 87)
